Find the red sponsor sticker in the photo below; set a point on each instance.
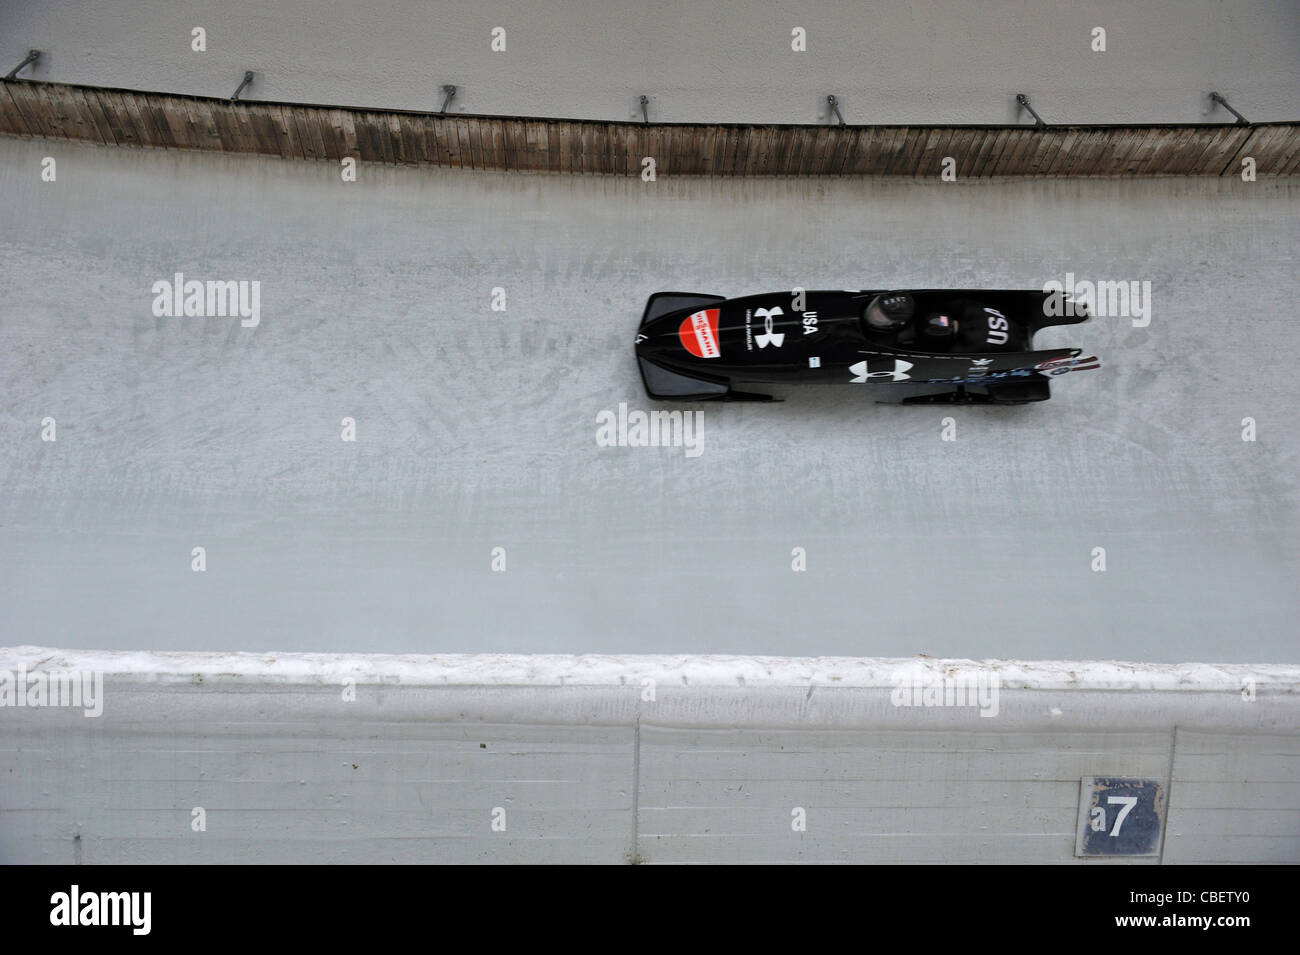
(699, 334)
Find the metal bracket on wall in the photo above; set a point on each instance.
(248, 78)
(1241, 120)
(448, 92)
(645, 108)
(1023, 100)
(834, 104)
(32, 57)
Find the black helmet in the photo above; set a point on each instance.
(890, 311)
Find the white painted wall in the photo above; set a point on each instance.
(898, 61)
(587, 769)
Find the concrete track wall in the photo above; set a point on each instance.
(587, 768)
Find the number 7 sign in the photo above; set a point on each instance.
(1120, 816)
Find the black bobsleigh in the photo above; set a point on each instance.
(930, 345)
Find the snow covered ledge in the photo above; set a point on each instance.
(360, 758)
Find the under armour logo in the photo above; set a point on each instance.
(981, 362)
(897, 373)
(767, 336)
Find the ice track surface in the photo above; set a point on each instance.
(477, 429)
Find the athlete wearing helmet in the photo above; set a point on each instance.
(960, 325)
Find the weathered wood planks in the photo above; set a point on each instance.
(292, 131)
